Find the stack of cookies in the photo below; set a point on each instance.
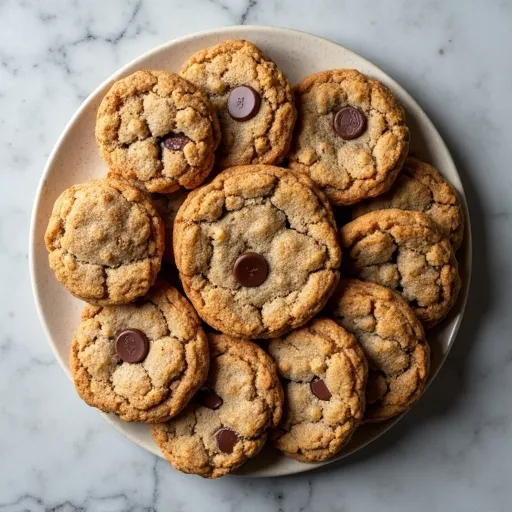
(257, 250)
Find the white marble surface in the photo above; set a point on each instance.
(453, 451)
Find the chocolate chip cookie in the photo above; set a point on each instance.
(408, 252)
(167, 205)
(253, 100)
(106, 241)
(155, 127)
(142, 361)
(421, 187)
(226, 422)
(351, 138)
(393, 341)
(257, 251)
(324, 372)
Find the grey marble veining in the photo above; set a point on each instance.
(453, 451)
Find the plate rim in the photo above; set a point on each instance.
(248, 29)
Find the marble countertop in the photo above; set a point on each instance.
(452, 451)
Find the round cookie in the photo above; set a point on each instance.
(324, 372)
(253, 100)
(105, 242)
(167, 205)
(393, 341)
(422, 188)
(257, 251)
(405, 251)
(167, 369)
(351, 138)
(155, 127)
(226, 422)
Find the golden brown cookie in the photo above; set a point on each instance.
(408, 252)
(257, 251)
(155, 127)
(142, 361)
(226, 422)
(253, 100)
(422, 188)
(324, 372)
(105, 241)
(393, 341)
(351, 138)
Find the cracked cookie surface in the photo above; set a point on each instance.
(160, 386)
(156, 127)
(393, 341)
(348, 171)
(421, 187)
(105, 241)
(324, 371)
(265, 210)
(243, 396)
(264, 139)
(405, 251)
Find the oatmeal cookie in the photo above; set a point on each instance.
(393, 341)
(351, 138)
(408, 252)
(324, 372)
(253, 100)
(257, 251)
(158, 128)
(105, 242)
(226, 422)
(142, 361)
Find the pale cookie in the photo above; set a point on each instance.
(257, 251)
(106, 241)
(393, 341)
(167, 205)
(226, 422)
(351, 138)
(324, 372)
(405, 251)
(155, 127)
(142, 361)
(421, 187)
(253, 100)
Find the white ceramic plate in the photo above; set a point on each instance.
(75, 159)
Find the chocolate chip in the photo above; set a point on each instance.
(132, 345)
(226, 440)
(320, 390)
(208, 398)
(349, 123)
(175, 141)
(250, 269)
(243, 103)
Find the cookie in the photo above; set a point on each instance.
(142, 361)
(405, 251)
(167, 205)
(253, 100)
(393, 341)
(155, 127)
(257, 251)
(422, 188)
(324, 375)
(351, 138)
(226, 422)
(105, 242)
